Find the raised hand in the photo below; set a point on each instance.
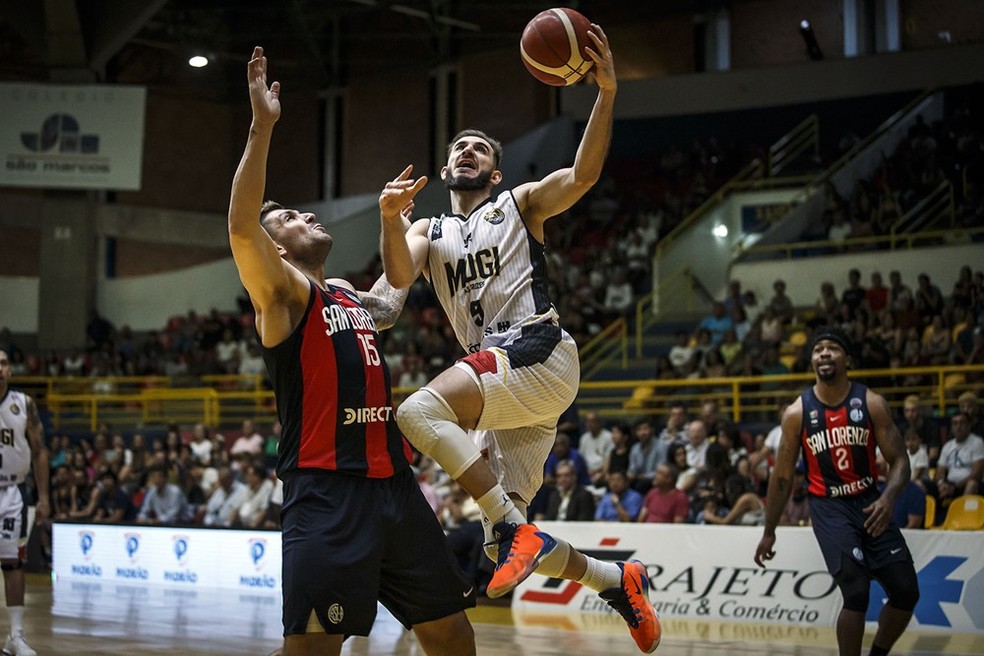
(264, 100)
(603, 71)
(396, 199)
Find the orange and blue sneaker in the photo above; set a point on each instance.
(631, 600)
(521, 548)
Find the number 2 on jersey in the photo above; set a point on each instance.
(840, 458)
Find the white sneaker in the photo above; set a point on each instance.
(17, 646)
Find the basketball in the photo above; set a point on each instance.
(552, 46)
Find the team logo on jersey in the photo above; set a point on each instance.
(466, 239)
(14, 409)
(495, 216)
(814, 417)
(858, 555)
(437, 231)
(335, 613)
(856, 414)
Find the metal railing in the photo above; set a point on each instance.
(759, 396)
(743, 398)
(803, 138)
(890, 242)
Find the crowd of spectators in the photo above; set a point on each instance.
(892, 326)
(950, 149)
(194, 476)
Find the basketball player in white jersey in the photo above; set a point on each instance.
(485, 261)
(21, 443)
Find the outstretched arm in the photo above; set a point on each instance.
(541, 200)
(781, 480)
(274, 287)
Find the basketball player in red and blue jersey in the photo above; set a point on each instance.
(356, 527)
(837, 423)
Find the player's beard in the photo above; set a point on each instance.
(458, 183)
(827, 375)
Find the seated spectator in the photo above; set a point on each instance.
(675, 431)
(594, 445)
(259, 488)
(621, 503)
(225, 500)
(664, 504)
(201, 444)
(562, 450)
(746, 507)
(918, 458)
(914, 419)
(682, 352)
(970, 407)
(113, 505)
(717, 323)
(936, 342)
(797, 509)
(961, 462)
(696, 450)
(781, 304)
(251, 441)
(618, 457)
(643, 457)
(876, 296)
(163, 502)
(568, 501)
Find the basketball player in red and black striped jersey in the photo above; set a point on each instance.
(838, 423)
(356, 528)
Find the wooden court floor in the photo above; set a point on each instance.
(88, 618)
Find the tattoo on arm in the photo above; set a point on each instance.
(384, 303)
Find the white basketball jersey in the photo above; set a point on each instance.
(489, 273)
(15, 452)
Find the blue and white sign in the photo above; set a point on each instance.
(73, 137)
(187, 558)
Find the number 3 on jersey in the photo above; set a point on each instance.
(369, 348)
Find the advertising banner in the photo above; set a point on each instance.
(179, 557)
(707, 573)
(71, 137)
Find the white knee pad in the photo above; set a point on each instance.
(432, 427)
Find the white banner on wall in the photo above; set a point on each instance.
(74, 137)
(183, 557)
(707, 573)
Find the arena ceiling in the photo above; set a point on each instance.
(312, 43)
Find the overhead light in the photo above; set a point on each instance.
(810, 39)
(198, 61)
(720, 230)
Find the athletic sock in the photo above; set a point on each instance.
(16, 614)
(497, 506)
(877, 651)
(601, 576)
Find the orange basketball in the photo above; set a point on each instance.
(553, 45)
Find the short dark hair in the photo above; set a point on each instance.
(472, 132)
(267, 207)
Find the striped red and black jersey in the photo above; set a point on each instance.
(333, 392)
(838, 444)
